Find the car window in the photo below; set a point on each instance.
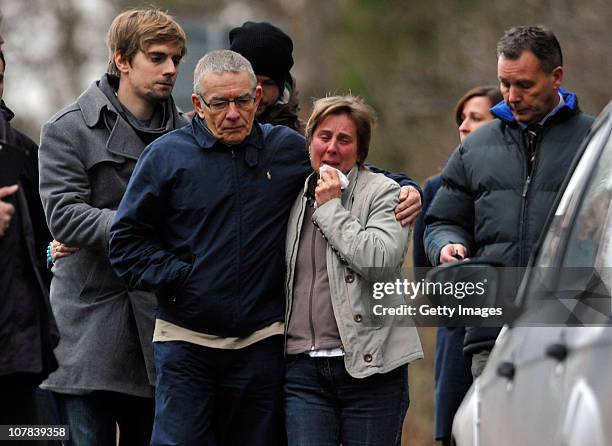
(589, 228)
(578, 243)
(584, 269)
(549, 254)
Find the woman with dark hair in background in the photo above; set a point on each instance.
(452, 369)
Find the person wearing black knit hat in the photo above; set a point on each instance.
(269, 50)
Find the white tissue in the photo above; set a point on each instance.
(344, 181)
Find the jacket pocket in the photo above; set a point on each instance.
(99, 281)
(362, 303)
(169, 293)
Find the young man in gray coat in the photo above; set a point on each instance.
(87, 154)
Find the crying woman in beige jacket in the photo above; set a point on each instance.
(347, 367)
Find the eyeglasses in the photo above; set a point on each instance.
(241, 102)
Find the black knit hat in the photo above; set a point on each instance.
(266, 47)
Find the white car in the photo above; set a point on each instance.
(548, 382)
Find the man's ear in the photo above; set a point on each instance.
(557, 75)
(122, 63)
(197, 105)
(258, 93)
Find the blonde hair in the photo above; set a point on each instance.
(355, 108)
(136, 29)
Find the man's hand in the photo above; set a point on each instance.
(6, 209)
(453, 252)
(409, 206)
(328, 187)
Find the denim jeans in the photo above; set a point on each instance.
(324, 405)
(93, 418)
(48, 413)
(217, 397)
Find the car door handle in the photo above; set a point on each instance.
(557, 351)
(507, 370)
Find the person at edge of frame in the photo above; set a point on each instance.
(28, 332)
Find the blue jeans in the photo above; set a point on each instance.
(93, 418)
(324, 405)
(216, 397)
(48, 412)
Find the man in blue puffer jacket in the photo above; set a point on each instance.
(500, 183)
(203, 224)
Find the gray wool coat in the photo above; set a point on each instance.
(87, 154)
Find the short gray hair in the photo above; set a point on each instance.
(219, 62)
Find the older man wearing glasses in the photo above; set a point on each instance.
(202, 224)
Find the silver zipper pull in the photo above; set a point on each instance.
(526, 186)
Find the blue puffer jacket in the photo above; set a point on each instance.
(203, 225)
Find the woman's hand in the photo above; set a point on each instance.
(59, 250)
(328, 187)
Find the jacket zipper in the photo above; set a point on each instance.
(312, 283)
(239, 235)
(291, 269)
(530, 169)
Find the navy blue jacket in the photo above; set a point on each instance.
(419, 257)
(203, 225)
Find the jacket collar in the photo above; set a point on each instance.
(503, 112)
(348, 192)
(123, 140)
(8, 113)
(91, 102)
